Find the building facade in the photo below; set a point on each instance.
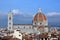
(39, 28)
(39, 23)
(10, 20)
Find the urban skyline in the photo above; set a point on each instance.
(29, 19)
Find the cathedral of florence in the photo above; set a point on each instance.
(39, 23)
(38, 30)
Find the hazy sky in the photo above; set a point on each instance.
(25, 9)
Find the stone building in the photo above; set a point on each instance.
(39, 23)
(39, 27)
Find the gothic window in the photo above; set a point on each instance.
(19, 35)
(9, 18)
(9, 23)
(9, 27)
(29, 27)
(40, 23)
(18, 26)
(35, 23)
(24, 27)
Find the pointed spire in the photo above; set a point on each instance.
(39, 10)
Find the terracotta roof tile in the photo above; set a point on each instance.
(39, 17)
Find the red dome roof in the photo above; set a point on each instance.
(39, 16)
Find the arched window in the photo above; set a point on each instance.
(40, 23)
(18, 27)
(24, 27)
(9, 23)
(19, 35)
(9, 18)
(9, 27)
(35, 23)
(30, 27)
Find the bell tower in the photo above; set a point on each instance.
(10, 20)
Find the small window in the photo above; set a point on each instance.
(45, 38)
(29, 27)
(9, 18)
(9, 27)
(41, 38)
(35, 22)
(18, 27)
(24, 27)
(40, 23)
(9, 23)
(19, 35)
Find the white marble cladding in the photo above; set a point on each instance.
(10, 20)
(25, 26)
(45, 23)
(46, 29)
